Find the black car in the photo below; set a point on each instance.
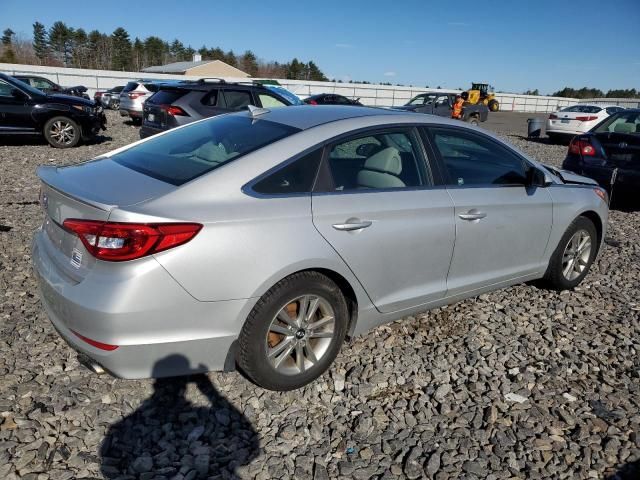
(47, 86)
(63, 119)
(609, 153)
(180, 103)
(441, 104)
(330, 99)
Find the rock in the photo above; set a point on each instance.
(514, 397)
(142, 464)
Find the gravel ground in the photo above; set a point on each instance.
(520, 383)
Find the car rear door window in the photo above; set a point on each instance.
(5, 89)
(211, 98)
(473, 159)
(381, 160)
(270, 101)
(42, 83)
(237, 99)
(295, 177)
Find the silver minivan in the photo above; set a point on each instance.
(261, 240)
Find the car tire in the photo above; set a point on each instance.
(473, 120)
(279, 349)
(573, 256)
(62, 132)
(494, 106)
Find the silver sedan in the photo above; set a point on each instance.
(261, 240)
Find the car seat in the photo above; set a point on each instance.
(382, 170)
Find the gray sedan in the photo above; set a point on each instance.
(261, 240)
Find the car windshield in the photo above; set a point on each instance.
(622, 122)
(422, 99)
(28, 88)
(292, 98)
(187, 153)
(582, 109)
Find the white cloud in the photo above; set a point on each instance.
(343, 45)
(389, 74)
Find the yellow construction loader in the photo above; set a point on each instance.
(479, 93)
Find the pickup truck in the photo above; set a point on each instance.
(442, 104)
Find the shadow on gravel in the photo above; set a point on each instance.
(542, 140)
(630, 471)
(20, 140)
(168, 435)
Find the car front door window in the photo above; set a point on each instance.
(502, 223)
(237, 99)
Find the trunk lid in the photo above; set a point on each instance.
(87, 191)
(620, 148)
(155, 111)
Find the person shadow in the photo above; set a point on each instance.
(170, 437)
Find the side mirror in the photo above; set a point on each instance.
(536, 178)
(18, 94)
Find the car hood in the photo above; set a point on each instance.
(408, 108)
(70, 100)
(569, 177)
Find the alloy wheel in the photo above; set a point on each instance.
(62, 133)
(577, 253)
(300, 334)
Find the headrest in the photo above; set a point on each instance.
(387, 161)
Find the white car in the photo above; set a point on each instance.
(577, 119)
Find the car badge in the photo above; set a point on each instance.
(622, 145)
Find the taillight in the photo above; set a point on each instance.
(313, 102)
(98, 94)
(134, 95)
(117, 242)
(553, 116)
(587, 119)
(94, 343)
(174, 111)
(581, 147)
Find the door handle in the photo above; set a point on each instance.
(472, 214)
(349, 226)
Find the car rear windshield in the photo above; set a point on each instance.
(130, 86)
(166, 97)
(582, 109)
(187, 153)
(623, 122)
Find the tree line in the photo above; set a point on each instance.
(586, 92)
(65, 46)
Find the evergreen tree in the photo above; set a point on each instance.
(154, 49)
(121, 59)
(188, 53)
(61, 41)
(40, 42)
(295, 70)
(177, 50)
(137, 55)
(8, 55)
(230, 58)
(314, 73)
(249, 63)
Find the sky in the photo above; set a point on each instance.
(513, 45)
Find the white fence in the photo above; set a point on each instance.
(369, 94)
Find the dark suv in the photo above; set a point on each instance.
(185, 102)
(63, 119)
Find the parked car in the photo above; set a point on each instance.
(610, 154)
(442, 104)
(63, 119)
(330, 99)
(202, 241)
(577, 119)
(133, 96)
(109, 98)
(185, 102)
(47, 86)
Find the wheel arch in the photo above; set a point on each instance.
(597, 222)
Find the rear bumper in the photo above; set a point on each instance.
(147, 131)
(159, 329)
